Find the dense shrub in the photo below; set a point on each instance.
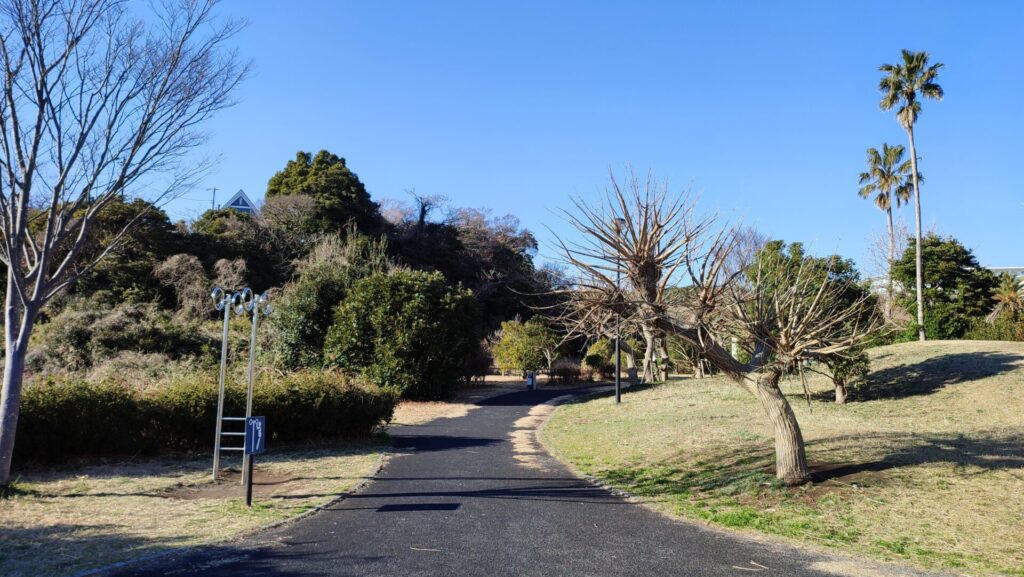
(600, 359)
(75, 418)
(524, 346)
(1004, 327)
(408, 331)
(306, 308)
(957, 290)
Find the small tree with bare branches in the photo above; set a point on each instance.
(95, 105)
(779, 314)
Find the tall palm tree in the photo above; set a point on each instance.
(888, 178)
(901, 86)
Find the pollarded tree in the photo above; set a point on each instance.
(339, 195)
(901, 86)
(783, 314)
(96, 105)
(888, 179)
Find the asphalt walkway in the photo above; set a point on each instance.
(476, 495)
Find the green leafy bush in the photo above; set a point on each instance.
(75, 418)
(1004, 327)
(408, 331)
(524, 346)
(306, 309)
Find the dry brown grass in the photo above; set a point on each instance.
(927, 467)
(58, 523)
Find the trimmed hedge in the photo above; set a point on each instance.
(73, 419)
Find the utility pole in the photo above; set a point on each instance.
(213, 201)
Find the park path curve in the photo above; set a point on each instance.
(477, 496)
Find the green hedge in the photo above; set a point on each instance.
(71, 419)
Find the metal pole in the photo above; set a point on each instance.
(224, 302)
(247, 459)
(248, 482)
(618, 357)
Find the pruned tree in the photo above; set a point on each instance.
(96, 105)
(780, 316)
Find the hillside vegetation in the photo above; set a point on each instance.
(925, 464)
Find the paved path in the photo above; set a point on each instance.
(474, 496)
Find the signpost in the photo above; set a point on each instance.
(255, 443)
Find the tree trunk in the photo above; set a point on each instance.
(918, 264)
(663, 354)
(649, 340)
(18, 325)
(841, 393)
(892, 258)
(790, 457)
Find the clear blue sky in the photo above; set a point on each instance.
(765, 108)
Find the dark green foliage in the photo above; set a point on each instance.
(125, 271)
(409, 331)
(340, 196)
(492, 256)
(306, 308)
(77, 419)
(229, 234)
(1004, 327)
(849, 369)
(957, 290)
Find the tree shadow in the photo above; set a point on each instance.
(988, 453)
(531, 398)
(432, 443)
(64, 548)
(931, 375)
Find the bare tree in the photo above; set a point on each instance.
(679, 281)
(96, 105)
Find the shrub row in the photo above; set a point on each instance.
(75, 418)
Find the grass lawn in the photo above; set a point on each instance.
(58, 523)
(926, 465)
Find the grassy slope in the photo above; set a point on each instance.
(928, 469)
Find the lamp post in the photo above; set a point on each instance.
(618, 223)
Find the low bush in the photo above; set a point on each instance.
(89, 333)
(565, 370)
(75, 418)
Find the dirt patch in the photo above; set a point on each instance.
(265, 484)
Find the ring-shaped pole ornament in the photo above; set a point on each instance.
(220, 298)
(262, 302)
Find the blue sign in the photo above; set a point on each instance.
(255, 435)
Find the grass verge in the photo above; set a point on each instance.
(58, 523)
(927, 468)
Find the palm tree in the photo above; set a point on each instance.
(888, 178)
(900, 88)
(1009, 297)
